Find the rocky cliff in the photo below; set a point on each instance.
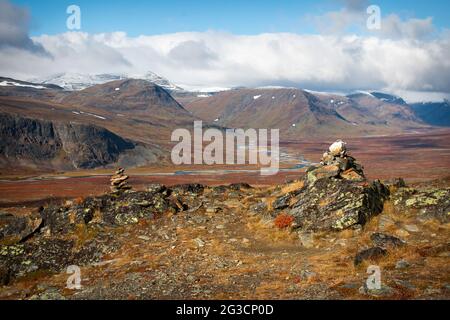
(60, 144)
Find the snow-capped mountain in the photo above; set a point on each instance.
(158, 80)
(79, 81)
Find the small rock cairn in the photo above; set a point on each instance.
(119, 181)
(336, 162)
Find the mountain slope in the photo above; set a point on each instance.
(433, 113)
(54, 144)
(304, 113)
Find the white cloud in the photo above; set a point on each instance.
(14, 25)
(402, 59)
(226, 60)
(393, 27)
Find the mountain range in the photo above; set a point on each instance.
(129, 121)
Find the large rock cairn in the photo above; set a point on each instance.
(119, 181)
(335, 195)
(336, 162)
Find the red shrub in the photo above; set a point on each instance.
(283, 220)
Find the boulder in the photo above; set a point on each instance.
(374, 253)
(353, 175)
(327, 171)
(332, 204)
(385, 240)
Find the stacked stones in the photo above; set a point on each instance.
(338, 164)
(119, 181)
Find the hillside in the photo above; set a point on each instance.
(138, 111)
(433, 113)
(301, 113)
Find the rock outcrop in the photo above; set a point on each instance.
(71, 144)
(335, 196)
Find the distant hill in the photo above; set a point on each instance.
(305, 113)
(99, 120)
(433, 113)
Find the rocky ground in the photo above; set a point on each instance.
(308, 239)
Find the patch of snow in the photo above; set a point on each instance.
(96, 116)
(294, 125)
(74, 112)
(203, 95)
(216, 120)
(324, 93)
(256, 97)
(365, 93)
(273, 98)
(117, 89)
(90, 114)
(17, 84)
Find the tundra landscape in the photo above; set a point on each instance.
(93, 205)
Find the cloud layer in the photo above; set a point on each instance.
(405, 61)
(14, 24)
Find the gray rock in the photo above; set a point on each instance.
(402, 264)
(384, 240)
(374, 253)
(384, 291)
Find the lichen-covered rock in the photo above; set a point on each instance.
(334, 204)
(189, 188)
(433, 202)
(316, 173)
(335, 194)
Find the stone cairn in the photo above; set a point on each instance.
(337, 163)
(119, 181)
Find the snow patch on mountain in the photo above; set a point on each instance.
(79, 81)
(17, 84)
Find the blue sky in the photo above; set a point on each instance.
(234, 16)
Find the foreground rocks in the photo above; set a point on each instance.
(335, 195)
(224, 242)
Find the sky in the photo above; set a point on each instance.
(318, 45)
